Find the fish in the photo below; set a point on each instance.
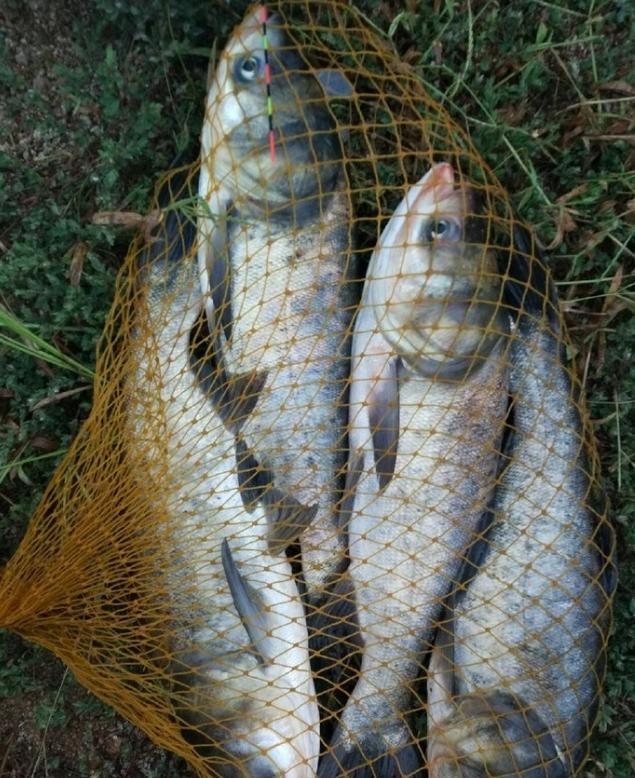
(275, 258)
(241, 690)
(515, 674)
(427, 409)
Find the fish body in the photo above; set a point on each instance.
(515, 675)
(273, 258)
(242, 688)
(428, 403)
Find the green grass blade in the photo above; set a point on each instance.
(6, 469)
(36, 346)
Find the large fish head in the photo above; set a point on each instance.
(433, 282)
(492, 736)
(251, 708)
(238, 161)
(278, 743)
(248, 718)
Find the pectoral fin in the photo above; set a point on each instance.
(288, 518)
(233, 397)
(383, 416)
(334, 83)
(253, 479)
(245, 602)
(244, 391)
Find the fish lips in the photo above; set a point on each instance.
(299, 185)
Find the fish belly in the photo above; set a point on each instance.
(290, 317)
(407, 543)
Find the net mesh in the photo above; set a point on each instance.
(337, 507)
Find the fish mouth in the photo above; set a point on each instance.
(441, 178)
(429, 196)
(236, 757)
(448, 767)
(261, 767)
(435, 188)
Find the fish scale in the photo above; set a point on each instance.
(514, 677)
(275, 260)
(292, 323)
(242, 688)
(427, 408)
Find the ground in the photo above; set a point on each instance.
(98, 97)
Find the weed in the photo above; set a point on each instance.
(105, 95)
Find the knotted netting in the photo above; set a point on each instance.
(337, 508)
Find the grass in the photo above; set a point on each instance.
(105, 95)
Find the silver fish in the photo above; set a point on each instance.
(515, 675)
(428, 403)
(274, 254)
(242, 686)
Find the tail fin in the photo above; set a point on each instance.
(336, 645)
(490, 736)
(372, 758)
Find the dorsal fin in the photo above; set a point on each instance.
(220, 274)
(253, 479)
(174, 237)
(334, 83)
(287, 517)
(233, 397)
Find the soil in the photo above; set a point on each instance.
(58, 729)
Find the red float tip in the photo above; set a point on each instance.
(272, 145)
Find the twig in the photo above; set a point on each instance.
(619, 441)
(42, 748)
(5, 757)
(54, 398)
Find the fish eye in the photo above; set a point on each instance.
(248, 69)
(441, 229)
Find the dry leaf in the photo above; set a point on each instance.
(128, 219)
(618, 86)
(77, 263)
(45, 367)
(573, 193)
(42, 443)
(513, 114)
(565, 224)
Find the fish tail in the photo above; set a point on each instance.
(373, 758)
(491, 736)
(336, 650)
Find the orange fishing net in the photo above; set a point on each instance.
(337, 507)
